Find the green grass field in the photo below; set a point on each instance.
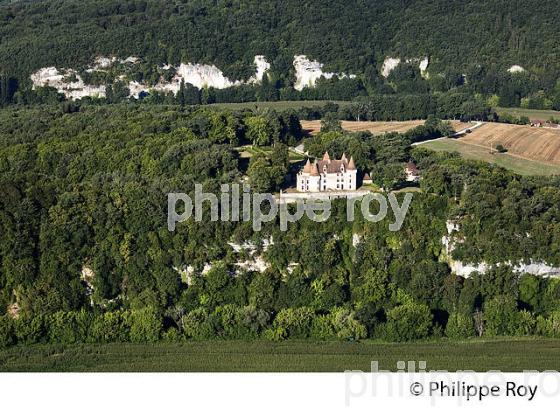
(511, 354)
(542, 115)
(518, 165)
(247, 151)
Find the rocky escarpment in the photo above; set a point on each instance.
(69, 82)
(538, 268)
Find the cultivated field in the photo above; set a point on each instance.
(540, 144)
(515, 164)
(377, 127)
(511, 354)
(542, 115)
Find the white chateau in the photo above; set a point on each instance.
(328, 175)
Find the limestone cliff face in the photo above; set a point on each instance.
(391, 63)
(537, 268)
(308, 72)
(68, 82)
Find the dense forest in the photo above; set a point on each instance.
(85, 251)
(86, 256)
(470, 44)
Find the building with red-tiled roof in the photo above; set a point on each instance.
(328, 175)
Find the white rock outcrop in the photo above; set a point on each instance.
(423, 66)
(466, 269)
(391, 63)
(73, 87)
(102, 63)
(262, 67)
(516, 69)
(186, 273)
(257, 264)
(13, 310)
(136, 89)
(533, 268)
(67, 82)
(87, 274)
(308, 72)
(199, 75)
(250, 246)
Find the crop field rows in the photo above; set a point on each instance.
(511, 354)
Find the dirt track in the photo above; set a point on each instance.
(376, 127)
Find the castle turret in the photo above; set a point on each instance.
(314, 169)
(307, 167)
(351, 175)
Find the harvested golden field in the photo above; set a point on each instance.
(376, 127)
(515, 163)
(541, 144)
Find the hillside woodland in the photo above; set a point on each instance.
(86, 256)
(470, 45)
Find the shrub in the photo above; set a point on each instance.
(68, 327)
(346, 325)
(234, 322)
(111, 327)
(228, 325)
(543, 327)
(145, 325)
(30, 329)
(550, 326)
(275, 334)
(296, 322)
(7, 331)
(526, 323)
(410, 321)
(172, 335)
(198, 325)
(500, 314)
(459, 326)
(322, 328)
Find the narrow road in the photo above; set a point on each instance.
(299, 149)
(457, 134)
